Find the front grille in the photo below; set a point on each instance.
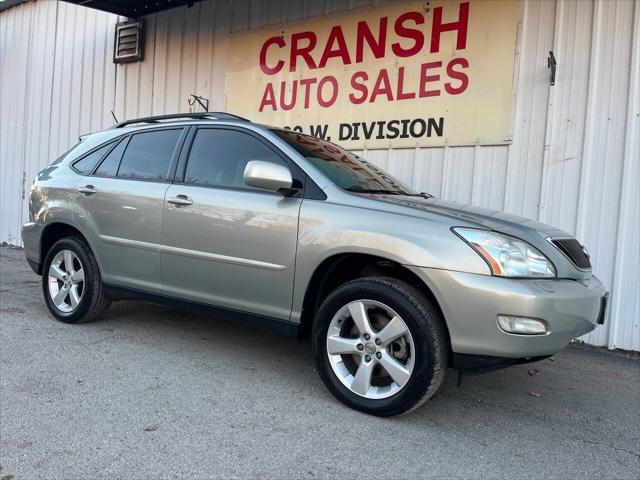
(574, 251)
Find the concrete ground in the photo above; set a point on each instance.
(149, 392)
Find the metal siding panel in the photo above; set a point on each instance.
(490, 176)
(380, 158)
(219, 63)
(38, 109)
(601, 178)
(315, 8)
(428, 170)
(401, 164)
(276, 12)
(567, 114)
(457, 176)
(524, 168)
(173, 72)
(188, 57)
(205, 50)
(625, 302)
(160, 66)
(240, 16)
(15, 41)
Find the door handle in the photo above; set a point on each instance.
(87, 190)
(180, 200)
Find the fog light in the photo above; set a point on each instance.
(521, 325)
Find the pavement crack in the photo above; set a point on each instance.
(610, 445)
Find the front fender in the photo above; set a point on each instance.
(327, 230)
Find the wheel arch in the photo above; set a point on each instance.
(343, 267)
(54, 231)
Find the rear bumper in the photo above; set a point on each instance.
(471, 303)
(31, 234)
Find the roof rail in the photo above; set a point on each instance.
(178, 116)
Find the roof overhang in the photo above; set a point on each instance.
(7, 4)
(133, 8)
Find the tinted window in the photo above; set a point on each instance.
(86, 164)
(148, 155)
(109, 166)
(219, 157)
(344, 168)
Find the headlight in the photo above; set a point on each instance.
(507, 256)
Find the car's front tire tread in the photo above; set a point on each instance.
(427, 318)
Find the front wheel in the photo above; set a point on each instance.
(380, 346)
(71, 282)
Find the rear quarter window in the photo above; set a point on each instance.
(109, 166)
(87, 163)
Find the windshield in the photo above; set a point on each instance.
(344, 168)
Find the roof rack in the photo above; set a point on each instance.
(178, 116)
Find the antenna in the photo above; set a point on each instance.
(114, 116)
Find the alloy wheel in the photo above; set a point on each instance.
(66, 281)
(370, 349)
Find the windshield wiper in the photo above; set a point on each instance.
(422, 194)
(374, 191)
(383, 191)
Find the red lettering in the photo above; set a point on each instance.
(401, 94)
(461, 26)
(305, 140)
(268, 98)
(334, 83)
(364, 33)
(457, 75)
(424, 79)
(307, 82)
(294, 94)
(360, 87)
(342, 51)
(413, 33)
(304, 52)
(279, 41)
(382, 86)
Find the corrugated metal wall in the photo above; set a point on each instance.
(574, 161)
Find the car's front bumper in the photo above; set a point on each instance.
(471, 303)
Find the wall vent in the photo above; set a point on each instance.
(129, 42)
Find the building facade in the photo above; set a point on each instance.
(570, 156)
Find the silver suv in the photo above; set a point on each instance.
(269, 226)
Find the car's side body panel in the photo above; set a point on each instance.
(328, 229)
(125, 220)
(231, 248)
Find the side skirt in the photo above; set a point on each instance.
(281, 327)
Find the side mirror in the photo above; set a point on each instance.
(268, 176)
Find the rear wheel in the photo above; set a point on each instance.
(380, 346)
(71, 282)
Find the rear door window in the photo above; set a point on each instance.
(148, 155)
(88, 162)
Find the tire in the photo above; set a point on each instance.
(90, 300)
(422, 353)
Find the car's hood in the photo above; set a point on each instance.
(482, 217)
